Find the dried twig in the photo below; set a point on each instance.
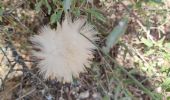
(131, 12)
(6, 13)
(140, 22)
(10, 70)
(18, 59)
(28, 93)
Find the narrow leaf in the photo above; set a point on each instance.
(96, 14)
(1, 12)
(48, 6)
(58, 15)
(166, 84)
(147, 42)
(114, 36)
(55, 17)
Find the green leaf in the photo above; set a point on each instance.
(117, 92)
(139, 4)
(168, 98)
(1, 13)
(67, 4)
(126, 98)
(76, 11)
(167, 45)
(56, 16)
(95, 13)
(147, 42)
(53, 18)
(166, 84)
(38, 6)
(151, 51)
(160, 42)
(54, 1)
(168, 89)
(48, 6)
(156, 1)
(114, 36)
(106, 97)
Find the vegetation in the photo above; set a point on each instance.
(132, 61)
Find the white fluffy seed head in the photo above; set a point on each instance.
(64, 52)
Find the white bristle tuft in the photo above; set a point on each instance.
(64, 51)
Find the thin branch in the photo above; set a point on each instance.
(140, 22)
(5, 56)
(6, 76)
(131, 12)
(28, 93)
(11, 67)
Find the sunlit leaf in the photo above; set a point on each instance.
(151, 51)
(166, 84)
(67, 4)
(167, 45)
(55, 17)
(114, 36)
(156, 1)
(147, 42)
